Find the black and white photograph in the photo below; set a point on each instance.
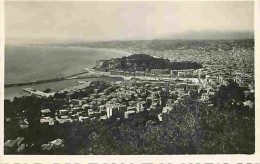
(129, 78)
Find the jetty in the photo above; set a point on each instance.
(47, 80)
(38, 93)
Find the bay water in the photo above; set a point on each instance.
(26, 63)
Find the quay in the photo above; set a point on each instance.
(37, 92)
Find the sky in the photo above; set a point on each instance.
(102, 20)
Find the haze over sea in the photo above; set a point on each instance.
(30, 63)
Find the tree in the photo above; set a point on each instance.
(229, 95)
(228, 125)
(48, 90)
(32, 112)
(182, 127)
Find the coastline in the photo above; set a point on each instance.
(74, 46)
(57, 78)
(86, 73)
(56, 86)
(14, 89)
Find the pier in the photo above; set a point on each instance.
(37, 92)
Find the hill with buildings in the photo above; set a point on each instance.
(143, 62)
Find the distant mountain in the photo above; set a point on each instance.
(141, 46)
(210, 35)
(190, 35)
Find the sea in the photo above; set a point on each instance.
(25, 63)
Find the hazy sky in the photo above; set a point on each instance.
(121, 20)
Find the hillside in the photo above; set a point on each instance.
(143, 62)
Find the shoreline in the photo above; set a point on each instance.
(69, 46)
(56, 79)
(87, 73)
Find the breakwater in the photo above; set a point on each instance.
(74, 76)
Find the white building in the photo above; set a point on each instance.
(140, 106)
